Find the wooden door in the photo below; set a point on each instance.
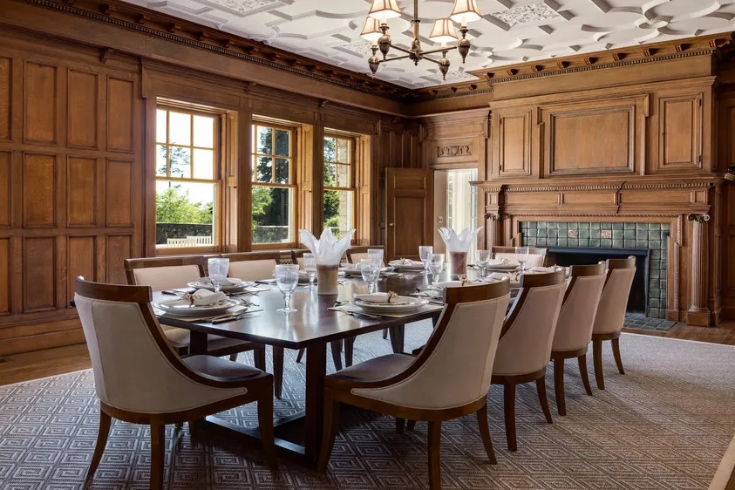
(409, 211)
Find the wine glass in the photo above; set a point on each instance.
(370, 271)
(436, 264)
(287, 276)
(482, 258)
(310, 268)
(522, 257)
(218, 269)
(424, 251)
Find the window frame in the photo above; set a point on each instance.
(352, 164)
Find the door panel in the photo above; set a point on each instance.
(409, 211)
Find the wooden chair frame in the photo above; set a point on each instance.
(528, 282)
(259, 388)
(580, 354)
(338, 390)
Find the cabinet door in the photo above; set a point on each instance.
(680, 132)
(512, 145)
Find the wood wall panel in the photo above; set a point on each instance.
(514, 144)
(120, 115)
(680, 142)
(6, 77)
(6, 197)
(119, 190)
(82, 261)
(5, 276)
(81, 177)
(82, 95)
(39, 274)
(40, 94)
(119, 248)
(39, 190)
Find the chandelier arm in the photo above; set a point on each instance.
(395, 58)
(432, 60)
(407, 51)
(439, 50)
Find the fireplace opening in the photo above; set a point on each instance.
(638, 299)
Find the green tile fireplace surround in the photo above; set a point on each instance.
(651, 236)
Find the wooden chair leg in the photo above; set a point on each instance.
(561, 405)
(411, 425)
(400, 425)
(99, 448)
(349, 345)
(265, 421)
(233, 357)
(541, 389)
(616, 354)
(485, 434)
(329, 431)
(582, 361)
(435, 435)
(278, 371)
(300, 355)
(337, 354)
(259, 357)
(597, 358)
(509, 409)
(158, 451)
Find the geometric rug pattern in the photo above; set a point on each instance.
(664, 425)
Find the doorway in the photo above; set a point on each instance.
(455, 203)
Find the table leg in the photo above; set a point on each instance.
(316, 370)
(397, 339)
(197, 343)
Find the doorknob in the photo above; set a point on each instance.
(390, 224)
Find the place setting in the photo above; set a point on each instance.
(381, 304)
(203, 304)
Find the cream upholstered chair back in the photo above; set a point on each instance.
(161, 273)
(614, 300)
(578, 311)
(528, 333)
(536, 255)
(356, 254)
(253, 266)
(455, 366)
(134, 368)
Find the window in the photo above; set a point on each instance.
(339, 184)
(273, 185)
(187, 178)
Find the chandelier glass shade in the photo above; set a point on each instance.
(376, 31)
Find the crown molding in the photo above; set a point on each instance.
(609, 184)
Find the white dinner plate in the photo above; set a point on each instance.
(408, 305)
(180, 307)
(229, 288)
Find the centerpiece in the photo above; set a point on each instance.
(328, 252)
(457, 248)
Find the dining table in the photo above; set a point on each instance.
(313, 325)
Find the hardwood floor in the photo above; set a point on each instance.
(50, 362)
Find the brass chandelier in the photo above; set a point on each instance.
(376, 31)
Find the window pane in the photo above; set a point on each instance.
(160, 126)
(264, 140)
(263, 171)
(343, 176)
(184, 214)
(330, 150)
(180, 161)
(203, 164)
(339, 211)
(283, 143)
(282, 170)
(180, 131)
(161, 160)
(204, 131)
(330, 175)
(272, 215)
(343, 151)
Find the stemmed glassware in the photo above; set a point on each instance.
(482, 258)
(376, 254)
(370, 270)
(522, 257)
(424, 252)
(436, 264)
(287, 276)
(310, 268)
(218, 270)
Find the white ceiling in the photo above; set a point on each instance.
(511, 31)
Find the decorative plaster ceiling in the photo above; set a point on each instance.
(510, 32)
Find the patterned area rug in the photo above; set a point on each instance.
(665, 424)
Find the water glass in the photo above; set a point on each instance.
(310, 268)
(424, 251)
(218, 270)
(522, 257)
(436, 263)
(370, 271)
(287, 276)
(482, 257)
(376, 255)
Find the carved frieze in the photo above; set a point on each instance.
(453, 151)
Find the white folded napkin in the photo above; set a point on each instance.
(327, 249)
(498, 262)
(543, 269)
(381, 298)
(497, 276)
(205, 297)
(227, 281)
(408, 262)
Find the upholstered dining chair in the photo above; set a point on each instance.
(162, 273)
(448, 379)
(574, 327)
(356, 254)
(611, 313)
(140, 380)
(536, 255)
(524, 348)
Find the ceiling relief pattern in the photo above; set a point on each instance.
(510, 32)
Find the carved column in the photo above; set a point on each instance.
(493, 228)
(698, 313)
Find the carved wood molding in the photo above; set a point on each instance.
(453, 151)
(594, 187)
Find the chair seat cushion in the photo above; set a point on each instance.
(378, 368)
(220, 368)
